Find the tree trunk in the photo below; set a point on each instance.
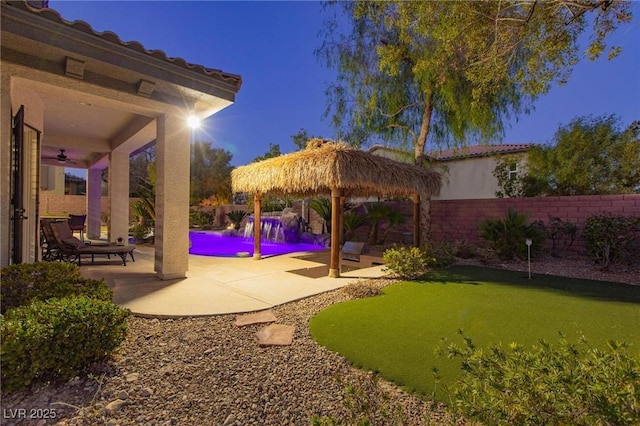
(419, 148)
(421, 143)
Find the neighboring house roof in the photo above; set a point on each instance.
(478, 151)
(111, 37)
(458, 153)
(68, 177)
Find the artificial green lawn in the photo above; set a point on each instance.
(396, 333)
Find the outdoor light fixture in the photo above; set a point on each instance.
(528, 242)
(193, 122)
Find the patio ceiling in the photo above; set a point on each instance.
(98, 92)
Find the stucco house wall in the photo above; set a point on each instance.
(467, 172)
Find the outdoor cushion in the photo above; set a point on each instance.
(73, 241)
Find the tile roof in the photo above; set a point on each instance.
(109, 36)
(461, 152)
(477, 151)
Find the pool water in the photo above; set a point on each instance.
(210, 244)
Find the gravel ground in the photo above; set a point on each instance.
(207, 371)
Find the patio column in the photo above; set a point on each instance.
(94, 203)
(334, 267)
(416, 220)
(172, 198)
(118, 196)
(257, 229)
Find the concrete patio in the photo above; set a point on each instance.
(217, 285)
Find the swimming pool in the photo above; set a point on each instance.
(210, 244)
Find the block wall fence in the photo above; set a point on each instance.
(459, 219)
(451, 220)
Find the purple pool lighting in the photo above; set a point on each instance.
(209, 244)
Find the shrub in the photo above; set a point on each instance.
(610, 239)
(140, 231)
(551, 385)
(200, 219)
(366, 403)
(507, 236)
(562, 234)
(20, 284)
(441, 253)
(361, 290)
(54, 339)
(407, 262)
(465, 250)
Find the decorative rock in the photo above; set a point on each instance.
(114, 406)
(276, 334)
(230, 420)
(146, 392)
(255, 318)
(132, 377)
(123, 394)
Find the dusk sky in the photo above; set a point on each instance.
(271, 45)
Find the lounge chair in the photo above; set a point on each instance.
(72, 249)
(48, 244)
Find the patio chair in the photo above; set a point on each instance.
(76, 223)
(72, 249)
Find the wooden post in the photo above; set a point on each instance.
(416, 220)
(334, 266)
(341, 219)
(257, 229)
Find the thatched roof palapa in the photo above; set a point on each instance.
(322, 167)
(339, 170)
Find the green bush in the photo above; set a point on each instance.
(507, 236)
(562, 234)
(54, 339)
(20, 284)
(550, 385)
(611, 239)
(200, 219)
(441, 253)
(140, 231)
(407, 262)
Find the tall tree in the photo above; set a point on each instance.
(210, 174)
(448, 71)
(590, 156)
(301, 138)
(138, 170)
(273, 151)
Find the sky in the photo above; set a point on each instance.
(271, 45)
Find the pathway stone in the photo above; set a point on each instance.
(255, 318)
(276, 334)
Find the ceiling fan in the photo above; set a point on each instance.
(61, 158)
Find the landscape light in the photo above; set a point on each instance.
(193, 122)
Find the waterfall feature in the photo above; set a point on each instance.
(270, 229)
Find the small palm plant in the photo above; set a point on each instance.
(376, 213)
(351, 221)
(236, 216)
(322, 206)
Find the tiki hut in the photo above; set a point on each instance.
(337, 170)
